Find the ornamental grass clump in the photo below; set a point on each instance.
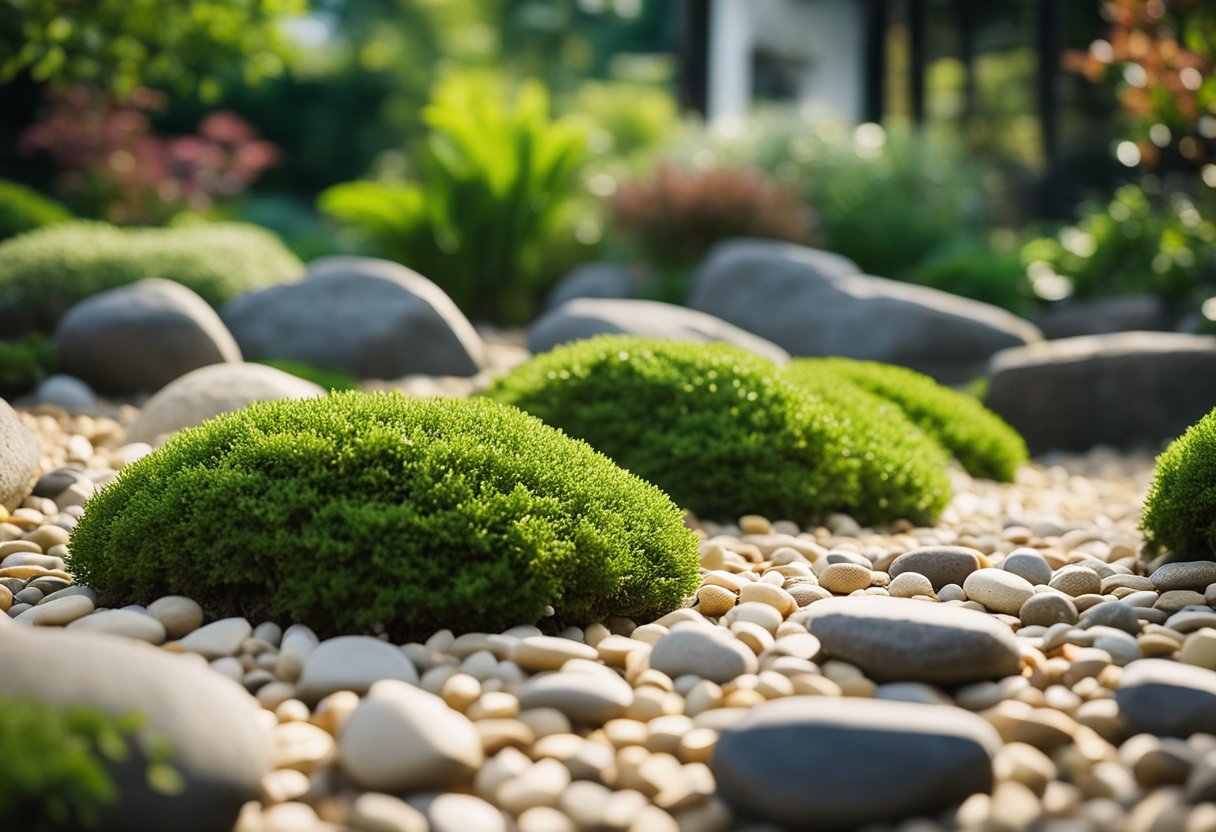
(979, 439)
(1180, 508)
(361, 512)
(43, 273)
(720, 430)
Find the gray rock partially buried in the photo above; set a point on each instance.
(820, 763)
(219, 744)
(902, 640)
(587, 317)
(812, 302)
(372, 318)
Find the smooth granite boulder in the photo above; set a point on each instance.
(19, 453)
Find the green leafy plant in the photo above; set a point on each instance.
(366, 511)
(23, 209)
(1136, 243)
(492, 181)
(44, 272)
(725, 435)
(1180, 508)
(980, 440)
(325, 377)
(977, 270)
(55, 758)
(26, 362)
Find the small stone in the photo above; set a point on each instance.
(352, 663)
(583, 696)
(57, 613)
(1047, 608)
(301, 746)
(1028, 564)
(6, 598)
(909, 585)
(1076, 581)
(179, 614)
(1199, 649)
(942, 565)
(374, 812)
(1167, 698)
(539, 653)
(844, 578)
(289, 817)
(702, 650)
(998, 590)
(459, 813)
(545, 819)
(123, 623)
(1193, 575)
(713, 600)
(1114, 614)
(217, 639)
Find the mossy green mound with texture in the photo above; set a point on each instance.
(1180, 508)
(355, 512)
(725, 434)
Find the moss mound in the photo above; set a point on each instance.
(357, 511)
(978, 438)
(43, 273)
(23, 209)
(720, 430)
(1180, 509)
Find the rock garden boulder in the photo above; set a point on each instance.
(822, 763)
(371, 318)
(588, 317)
(1098, 316)
(219, 745)
(813, 302)
(209, 391)
(1127, 389)
(19, 455)
(140, 337)
(594, 280)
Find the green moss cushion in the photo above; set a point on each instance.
(721, 431)
(359, 511)
(43, 273)
(1180, 509)
(979, 439)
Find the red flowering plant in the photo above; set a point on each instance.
(115, 166)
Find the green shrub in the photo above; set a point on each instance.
(23, 209)
(980, 440)
(725, 435)
(24, 363)
(324, 377)
(356, 511)
(44, 272)
(1180, 508)
(977, 270)
(54, 774)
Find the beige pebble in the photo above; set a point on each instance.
(289, 817)
(545, 819)
(459, 690)
(714, 600)
(57, 613)
(909, 585)
(844, 578)
(375, 812)
(998, 590)
(1199, 648)
(283, 785)
(540, 653)
(770, 594)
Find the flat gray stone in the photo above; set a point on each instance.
(139, 337)
(902, 640)
(703, 650)
(942, 565)
(1125, 390)
(812, 302)
(372, 318)
(585, 696)
(822, 763)
(588, 317)
(352, 663)
(1196, 575)
(1166, 698)
(219, 744)
(19, 453)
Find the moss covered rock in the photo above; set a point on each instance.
(358, 511)
(725, 434)
(1180, 508)
(43, 273)
(979, 439)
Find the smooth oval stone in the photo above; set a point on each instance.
(1167, 698)
(942, 565)
(549, 652)
(998, 590)
(1048, 608)
(1114, 614)
(813, 762)
(703, 650)
(57, 613)
(402, 739)
(459, 813)
(1195, 575)
(217, 639)
(122, 623)
(588, 697)
(352, 663)
(902, 640)
(1028, 564)
(179, 614)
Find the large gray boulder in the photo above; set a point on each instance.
(372, 318)
(209, 391)
(1073, 318)
(614, 281)
(822, 763)
(140, 337)
(19, 453)
(1126, 389)
(219, 745)
(587, 317)
(813, 302)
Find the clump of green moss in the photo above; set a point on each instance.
(43, 273)
(23, 209)
(725, 434)
(55, 763)
(357, 511)
(26, 362)
(979, 439)
(1180, 508)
